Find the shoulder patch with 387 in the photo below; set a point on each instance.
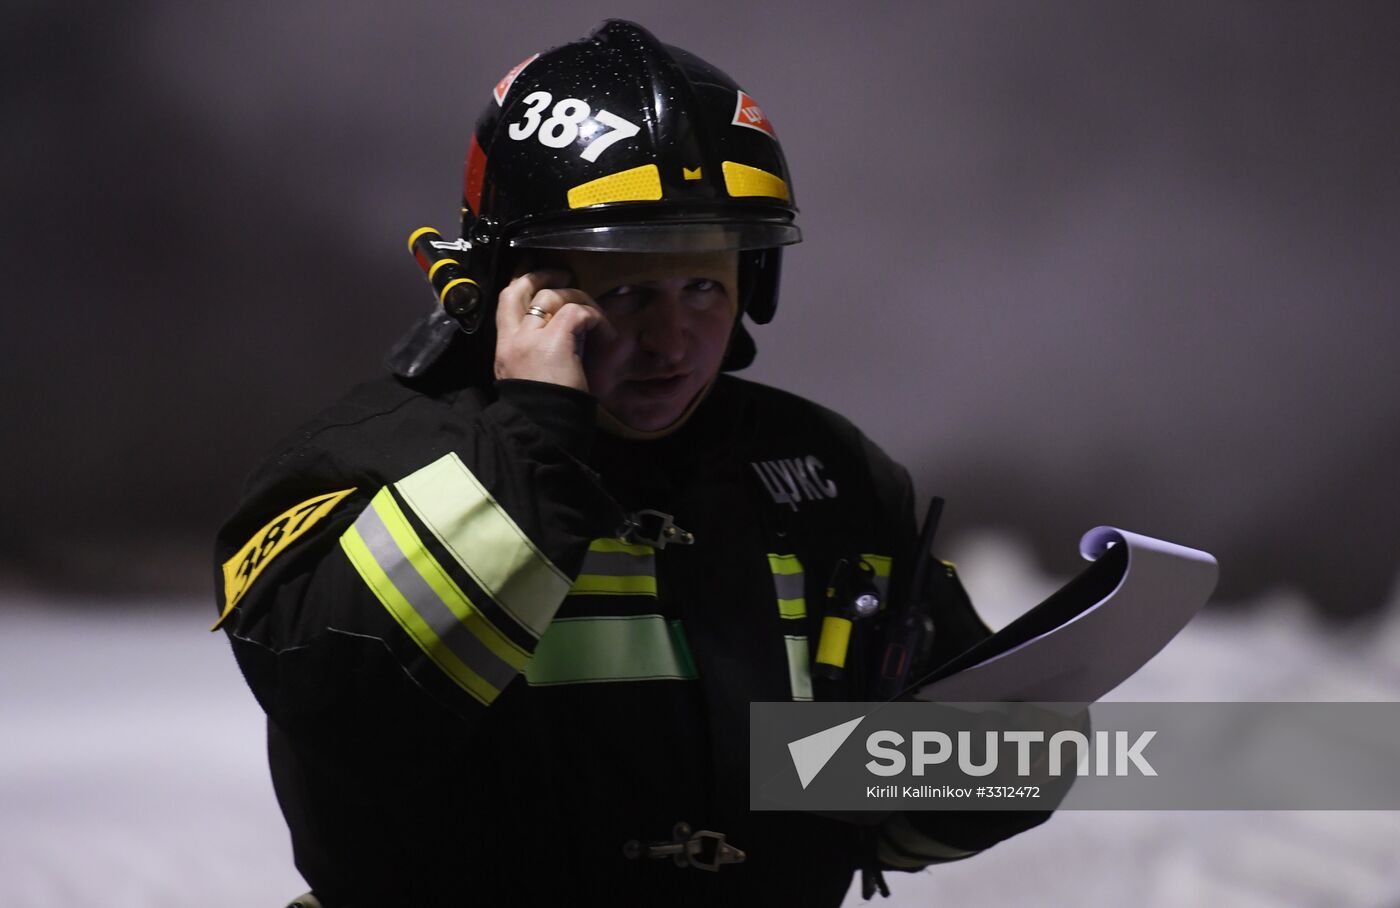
(267, 543)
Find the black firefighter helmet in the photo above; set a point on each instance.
(616, 142)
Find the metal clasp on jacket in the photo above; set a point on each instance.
(704, 849)
(653, 528)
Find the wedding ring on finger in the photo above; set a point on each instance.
(540, 313)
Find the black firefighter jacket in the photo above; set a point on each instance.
(477, 693)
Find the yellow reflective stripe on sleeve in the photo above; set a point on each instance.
(607, 648)
(485, 541)
(267, 543)
(799, 667)
(416, 628)
(612, 568)
(442, 587)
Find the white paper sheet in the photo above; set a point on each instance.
(1094, 645)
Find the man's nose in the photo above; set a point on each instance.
(663, 327)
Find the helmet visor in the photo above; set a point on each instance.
(660, 237)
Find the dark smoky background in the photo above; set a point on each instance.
(1073, 263)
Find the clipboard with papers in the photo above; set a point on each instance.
(1090, 635)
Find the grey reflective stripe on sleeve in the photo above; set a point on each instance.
(486, 541)
(453, 633)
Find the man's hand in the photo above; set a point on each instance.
(540, 325)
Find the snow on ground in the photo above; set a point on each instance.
(132, 773)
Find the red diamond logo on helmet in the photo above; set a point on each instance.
(748, 113)
(503, 86)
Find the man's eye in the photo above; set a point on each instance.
(702, 293)
(620, 300)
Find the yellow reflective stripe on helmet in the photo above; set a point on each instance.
(611, 648)
(743, 180)
(485, 541)
(799, 666)
(613, 568)
(640, 184)
(353, 544)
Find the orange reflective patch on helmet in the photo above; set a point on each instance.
(748, 113)
(503, 87)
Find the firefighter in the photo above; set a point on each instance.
(506, 607)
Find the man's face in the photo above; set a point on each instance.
(672, 314)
